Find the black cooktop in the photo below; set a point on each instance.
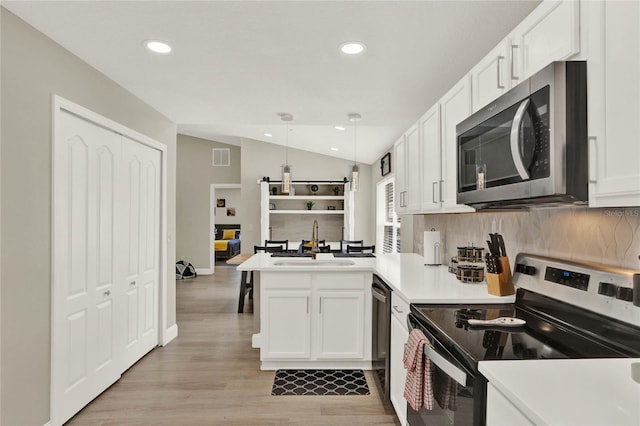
(551, 331)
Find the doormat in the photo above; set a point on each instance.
(320, 382)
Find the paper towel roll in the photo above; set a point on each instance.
(432, 247)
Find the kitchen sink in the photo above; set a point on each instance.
(312, 262)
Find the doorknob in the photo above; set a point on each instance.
(107, 293)
(132, 284)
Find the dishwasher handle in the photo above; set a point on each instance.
(378, 295)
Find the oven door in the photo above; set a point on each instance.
(459, 395)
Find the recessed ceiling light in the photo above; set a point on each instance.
(157, 46)
(269, 135)
(340, 128)
(335, 149)
(352, 48)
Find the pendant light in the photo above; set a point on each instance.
(286, 168)
(355, 172)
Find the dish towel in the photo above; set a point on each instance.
(418, 389)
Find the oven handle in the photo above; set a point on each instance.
(515, 139)
(457, 373)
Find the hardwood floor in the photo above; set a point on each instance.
(210, 375)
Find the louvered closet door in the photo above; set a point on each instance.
(85, 280)
(141, 195)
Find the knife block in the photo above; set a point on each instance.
(501, 284)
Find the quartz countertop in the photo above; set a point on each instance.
(570, 391)
(405, 273)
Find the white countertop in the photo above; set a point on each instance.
(569, 392)
(405, 273)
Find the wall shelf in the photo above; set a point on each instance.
(306, 211)
(306, 197)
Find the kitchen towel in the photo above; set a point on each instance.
(418, 390)
(432, 247)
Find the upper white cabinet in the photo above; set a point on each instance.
(430, 154)
(613, 69)
(550, 33)
(491, 77)
(407, 153)
(455, 106)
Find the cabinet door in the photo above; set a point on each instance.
(399, 152)
(490, 77)
(399, 337)
(614, 104)
(431, 159)
(550, 33)
(340, 326)
(455, 107)
(412, 164)
(286, 325)
(501, 412)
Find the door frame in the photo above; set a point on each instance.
(212, 224)
(60, 104)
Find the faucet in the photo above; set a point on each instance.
(314, 238)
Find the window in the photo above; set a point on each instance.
(221, 157)
(387, 222)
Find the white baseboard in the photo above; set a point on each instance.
(48, 423)
(204, 271)
(170, 334)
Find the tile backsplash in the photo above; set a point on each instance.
(609, 236)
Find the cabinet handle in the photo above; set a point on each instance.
(435, 189)
(513, 61)
(321, 306)
(498, 73)
(307, 304)
(441, 182)
(395, 308)
(593, 165)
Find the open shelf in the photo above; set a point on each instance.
(306, 197)
(306, 211)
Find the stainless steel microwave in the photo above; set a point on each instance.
(530, 145)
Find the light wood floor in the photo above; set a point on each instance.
(210, 375)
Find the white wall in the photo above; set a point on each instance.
(33, 68)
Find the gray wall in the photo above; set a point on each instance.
(195, 174)
(33, 69)
(260, 159)
(232, 196)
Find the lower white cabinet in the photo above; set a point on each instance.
(315, 319)
(501, 412)
(399, 337)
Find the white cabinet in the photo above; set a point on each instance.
(455, 107)
(430, 154)
(399, 337)
(407, 153)
(287, 321)
(490, 78)
(315, 319)
(550, 33)
(501, 412)
(340, 326)
(613, 67)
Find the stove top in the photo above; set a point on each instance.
(554, 328)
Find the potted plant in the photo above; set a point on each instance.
(310, 204)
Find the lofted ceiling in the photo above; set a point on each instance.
(236, 64)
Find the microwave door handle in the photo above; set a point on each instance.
(515, 140)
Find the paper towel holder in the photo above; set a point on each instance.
(436, 253)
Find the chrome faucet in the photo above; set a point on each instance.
(314, 237)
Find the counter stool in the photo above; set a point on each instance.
(247, 286)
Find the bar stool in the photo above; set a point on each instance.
(361, 249)
(247, 286)
(345, 243)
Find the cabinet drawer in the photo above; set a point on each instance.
(341, 280)
(285, 280)
(399, 309)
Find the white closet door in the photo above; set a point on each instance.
(141, 197)
(84, 344)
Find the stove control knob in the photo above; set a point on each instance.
(607, 289)
(625, 294)
(525, 269)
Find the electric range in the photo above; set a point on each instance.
(570, 309)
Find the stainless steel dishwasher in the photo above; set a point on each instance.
(380, 338)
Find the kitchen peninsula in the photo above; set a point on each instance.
(316, 313)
